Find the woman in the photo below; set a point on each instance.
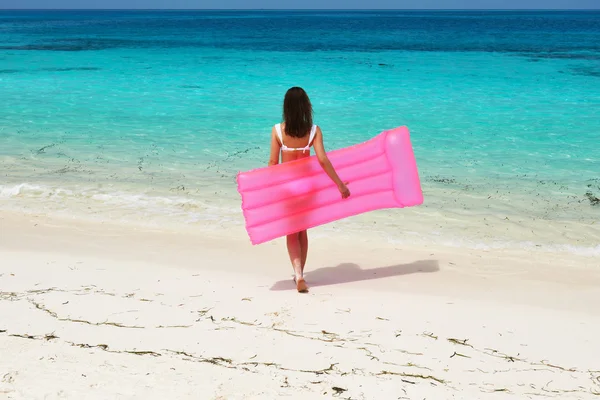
(293, 139)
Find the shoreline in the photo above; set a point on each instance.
(107, 309)
(447, 218)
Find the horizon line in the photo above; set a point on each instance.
(299, 9)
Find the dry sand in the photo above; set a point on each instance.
(100, 311)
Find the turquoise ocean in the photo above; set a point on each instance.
(147, 116)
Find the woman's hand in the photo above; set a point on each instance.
(344, 190)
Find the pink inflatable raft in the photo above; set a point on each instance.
(297, 195)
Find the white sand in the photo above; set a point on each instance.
(93, 311)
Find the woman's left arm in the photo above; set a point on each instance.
(275, 147)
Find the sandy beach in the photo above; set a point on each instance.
(99, 311)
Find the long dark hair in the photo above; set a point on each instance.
(297, 112)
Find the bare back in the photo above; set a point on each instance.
(295, 148)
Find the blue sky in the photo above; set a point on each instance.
(304, 4)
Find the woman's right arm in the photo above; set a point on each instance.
(326, 164)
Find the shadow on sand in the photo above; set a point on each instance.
(348, 272)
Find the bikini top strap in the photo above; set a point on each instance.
(279, 135)
(313, 133)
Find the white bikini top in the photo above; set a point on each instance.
(313, 131)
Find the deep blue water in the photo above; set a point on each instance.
(523, 33)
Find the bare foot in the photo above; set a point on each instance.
(301, 285)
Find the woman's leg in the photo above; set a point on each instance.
(295, 253)
(303, 238)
